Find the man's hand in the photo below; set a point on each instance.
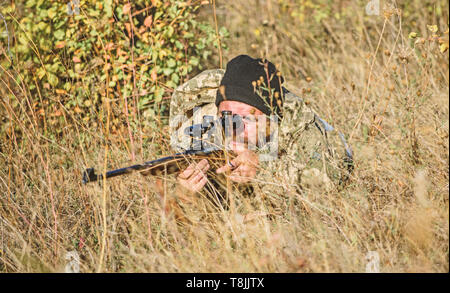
(193, 178)
(243, 168)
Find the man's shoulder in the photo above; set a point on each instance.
(309, 139)
(197, 91)
(296, 114)
(192, 100)
(206, 79)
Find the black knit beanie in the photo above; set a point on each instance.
(241, 76)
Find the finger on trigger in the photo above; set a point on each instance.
(227, 167)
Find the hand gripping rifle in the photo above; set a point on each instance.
(229, 125)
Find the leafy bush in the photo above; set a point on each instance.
(74, 56)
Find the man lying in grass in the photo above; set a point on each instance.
(300, 151)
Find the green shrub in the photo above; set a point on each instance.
(73, 60)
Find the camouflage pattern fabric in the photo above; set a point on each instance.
(312, 155)
(199, 93)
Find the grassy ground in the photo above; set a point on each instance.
(387, 92)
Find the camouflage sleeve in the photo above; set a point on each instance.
(190, 102)
(312, 154)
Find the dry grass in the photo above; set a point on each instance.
(390, 100)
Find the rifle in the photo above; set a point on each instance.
(230, 125)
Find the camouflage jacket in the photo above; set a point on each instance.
(312, 155)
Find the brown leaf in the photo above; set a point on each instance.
(148, 21)
(76, 59)
(154, 76)
(60, 44)
(128, 27)
(57, 113)
(77, 110)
